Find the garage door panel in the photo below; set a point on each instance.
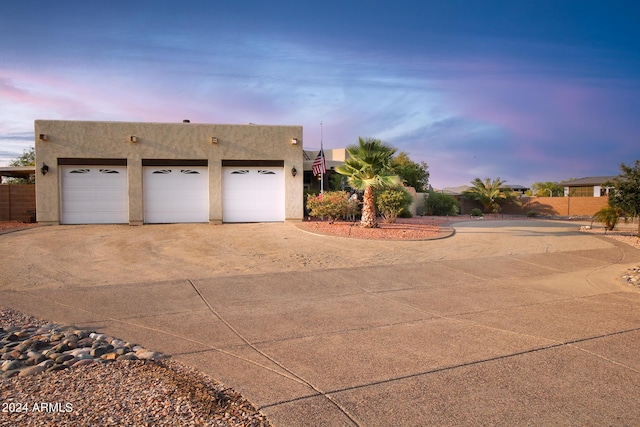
(94, 195)
(253, 194)
(176, 194)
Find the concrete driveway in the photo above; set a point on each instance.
(505, 323)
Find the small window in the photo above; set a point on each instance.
(108, 171)
(163, 171)
(80, 171)
(189, 172)
(240, 172)
(266, 172)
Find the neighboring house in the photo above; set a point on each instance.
(521, 190)
(592, 186)
(454, 191)
(136, 173)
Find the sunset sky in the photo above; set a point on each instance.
(524, 90)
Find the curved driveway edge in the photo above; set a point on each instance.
(513, 322)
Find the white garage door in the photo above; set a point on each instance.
(252, 194)
(176, 194)
(94, 195)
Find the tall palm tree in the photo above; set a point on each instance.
(490, 194)
(367, 168)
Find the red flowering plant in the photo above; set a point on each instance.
(330, 205)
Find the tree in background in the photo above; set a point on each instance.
(413, 174)
(490, 194)
(547, 189)
(625, 192)
(28, 158)
(367, 168)
(439, 204)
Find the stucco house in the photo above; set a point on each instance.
(591, 186)
(136, 173)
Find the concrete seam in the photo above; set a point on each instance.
(273, 360)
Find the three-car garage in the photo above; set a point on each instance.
(154, 173)
(173, 191)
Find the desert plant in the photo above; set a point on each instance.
(608, 216)
(440, 204)
(391, 203)
(367, 168)
(330, 204)
(476, 212)
(625, 192)
(491, 194)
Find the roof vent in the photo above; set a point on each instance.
(186, 121)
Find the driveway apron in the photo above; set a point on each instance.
(505, 323)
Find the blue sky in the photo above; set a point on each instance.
(523, 90)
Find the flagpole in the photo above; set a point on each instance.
(324, 160)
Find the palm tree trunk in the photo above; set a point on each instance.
(369, 219)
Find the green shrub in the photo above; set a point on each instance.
(439, 204)
(391, 203)
(476, 212)
(330, 204)
(532, 214)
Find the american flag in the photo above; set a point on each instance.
(319, 164)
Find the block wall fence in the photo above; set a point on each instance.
(550, 206)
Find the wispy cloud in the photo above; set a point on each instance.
(509, 93)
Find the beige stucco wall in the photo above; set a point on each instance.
(84, 139)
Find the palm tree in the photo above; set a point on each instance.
(490, 194)
(609, 216)
(367, 168)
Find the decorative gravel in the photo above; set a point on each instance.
(402, 229)
(626, 236)
(107, 391)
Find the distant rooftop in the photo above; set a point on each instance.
(588, 181)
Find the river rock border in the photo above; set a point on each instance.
(39, 349)
(632, 276)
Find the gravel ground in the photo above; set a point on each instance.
(14, 225)
(626, 236)
(403, 229)
(140, 393)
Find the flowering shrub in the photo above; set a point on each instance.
(391, 203)
(331, 205)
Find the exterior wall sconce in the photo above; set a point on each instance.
(133, 138)
(44, 169)
(294, 171)
(43, 137)
(294, 141)
(214, 140)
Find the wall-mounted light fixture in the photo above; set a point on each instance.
(214, 140)
(43, 137)
(44, 169)
(294, 141)
(133, 138)
(294, 171)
